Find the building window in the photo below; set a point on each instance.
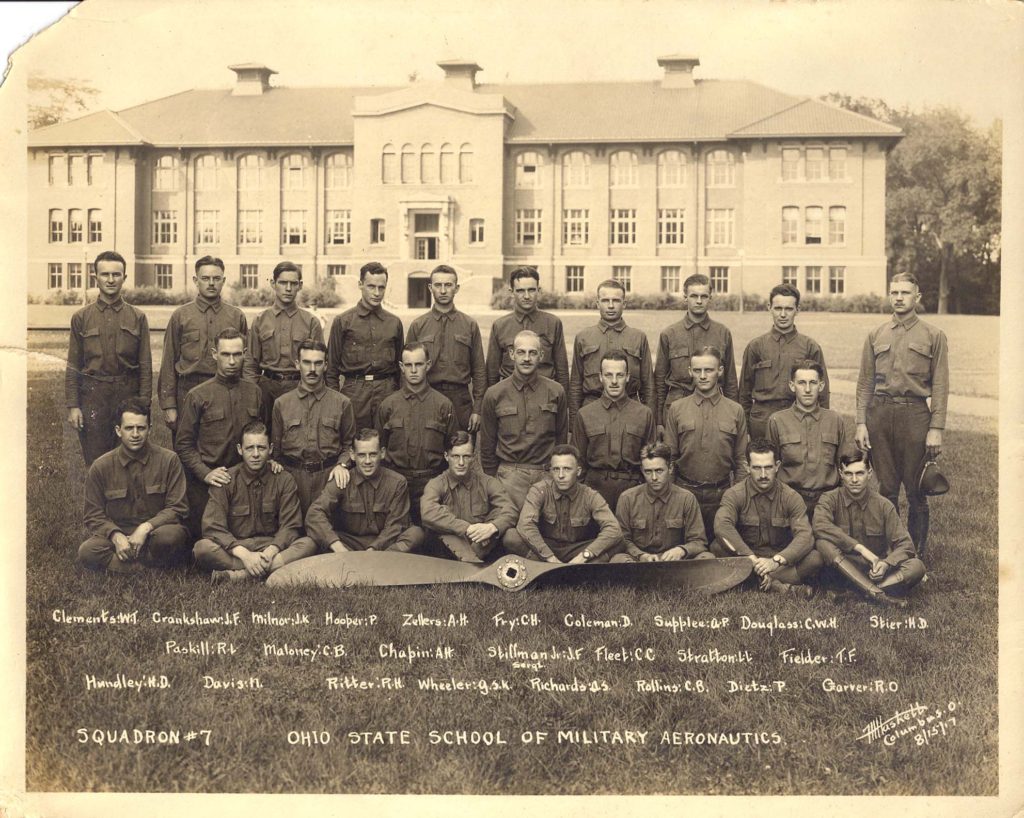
(409, 175)
(58, 170)
(837, 225)
(575, 227)
(75, 275)
(249, 276)
(837, 163)
(623, 226)
(812, 225)
(466, 164)
(76, 226)
(528, 227)
(790, 164)
(206, 173)
(576, 169)
(836, 280)
(207, 227)
(670, 279)
(77, 173)
(388, 165)
(55, 275)
(293, 227)
(812, 279)
(476, 231)
(338, 171)
(790, 225)
(250, 172)
(428, 165)
(339, 227)
(721, 169)
(335, 270)
(720, 227)
(719, 277)
(376, 231)
(293, 171)
(670, 225)
(528, 167)
(789, 276)
(165, 226)
(250, 227)
(56, 226)
(625, 169)
(95, 168)
(671, 169)
(165, 173)
(164, 276)
(574, 279)
(814, 164)
(447, 165)
(90, 270)
(624, 275)
(95, 226)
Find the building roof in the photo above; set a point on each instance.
(712, 110)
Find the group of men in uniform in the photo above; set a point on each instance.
(286, 446)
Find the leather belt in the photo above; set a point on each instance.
(419, 472)
(362, 376)
(310, 466)
(275, 375)
(902, 399)
(113, 378)
(811, 493)
(450, 387)
(721, 484)
(620, 473)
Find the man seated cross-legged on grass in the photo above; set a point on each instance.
(467, 510)
(371, 513)
(134, 501)
(764, 519)
(252, 524)
(563, 520)
(860, 534)
(660, 521)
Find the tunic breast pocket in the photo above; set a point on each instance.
(919, 359)
(268, 345)
(764, 378)
(791, 450)
(92, 346)
(679, 362)
(727, 430)
(213, 427)
(155, 497)
(590, 355)
(433, 438)
(116, 501)
(883, 361)
(292, 438)
(780, 533)
(675, 530)
(191, 346)
(549, 416)
(128, 340)
(329, 434)
(396, 434)
(461, 350)
(268, 516)
(508, 423)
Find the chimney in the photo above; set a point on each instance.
(253, 79)
(678, 70)
(459, 74)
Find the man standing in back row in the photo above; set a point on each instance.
(904, 363)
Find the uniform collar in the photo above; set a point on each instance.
(443, 316)
(608, 403)
(316, 394)
(409, 394)
(618, 326)
(689, 323)
(906, 323)
(115, 305)
(850, 500)
(801, 413)
(454, 481)
(571, 493)
(364, 310)
(289, 311)
(783, 336)
(125, 457)
(770, 494)
(653, 497)
(203, 305)
(358, 478)
(522, 316)
(521, 383)
(249, 476)
(230, 384)
(714, 397)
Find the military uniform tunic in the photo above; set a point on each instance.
(677, 344)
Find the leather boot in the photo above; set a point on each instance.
(861, 581)
(894, 580)
(917, 525)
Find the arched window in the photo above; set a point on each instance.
(428, 165)
(576, 169)
(409, 175)
(293, 172)
(624, 169)
(165, 173)
(338, 171)
(528, 170)
(671, 169)
(720, 165)
(250, 175)
(448, 168)
(466, 163)
(388, 165)
(206, 172)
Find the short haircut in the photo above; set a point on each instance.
(761, 445)
(698, 279)
(313, 344)
(460, 438)
(653, 451)
(366, 433)
(135, 405)
(287, 267)
(110, 255)
(807, 363)
(615, 355)
(787, 290)
(372, 268)
(254, 427)
(713, 351)
(565, 449)
(910, 277)
(444, 268)
(529, 333)
(612, 284)
(858, 456)
(209, 261)
(415, 346)
(227, 334)
(523, 272)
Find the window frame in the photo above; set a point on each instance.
(622, 227)
(575, 278)
(576, 227)
(532, 218)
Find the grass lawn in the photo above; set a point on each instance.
(800, 740)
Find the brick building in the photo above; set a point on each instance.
(643, 181)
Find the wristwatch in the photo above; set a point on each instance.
(587, 556)
(781, 560)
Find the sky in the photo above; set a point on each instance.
(936, 52)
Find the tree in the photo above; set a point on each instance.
(53, 99)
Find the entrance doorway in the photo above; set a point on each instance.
(419, 290)
(426, 236)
